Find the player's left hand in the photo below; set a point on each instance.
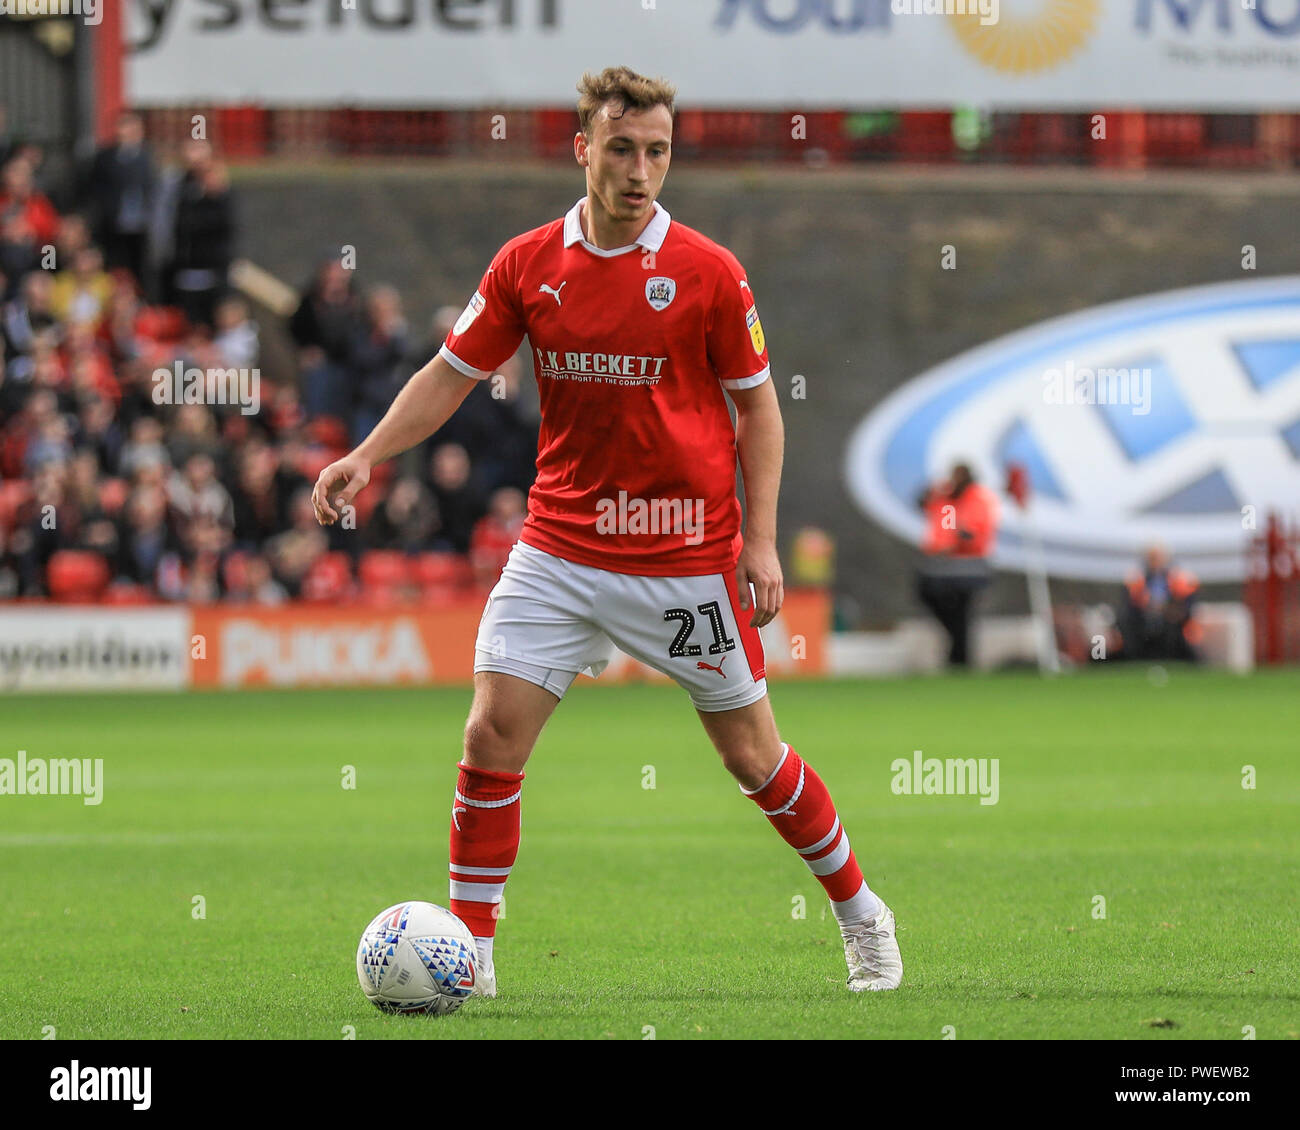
(760, 566)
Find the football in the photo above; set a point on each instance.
(417, 957)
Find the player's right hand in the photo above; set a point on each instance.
(337, 486)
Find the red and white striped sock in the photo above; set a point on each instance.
(484, 843)
(799, 807)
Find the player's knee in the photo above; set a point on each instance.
(748, 764)
(491, 745)
(483, 737)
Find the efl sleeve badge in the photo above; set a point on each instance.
(755, 330)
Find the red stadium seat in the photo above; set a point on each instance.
(328, 431)
(442, 569)
(366, 502)
(445, 578)
(314, 460)
(75, 576)
(329, 579)
(162, 323)
(384, 568)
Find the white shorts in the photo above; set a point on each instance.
(548, 619)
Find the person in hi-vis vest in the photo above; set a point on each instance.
(1158, 616)
(961, 528)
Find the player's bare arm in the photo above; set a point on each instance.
(760, 442)
(421, 408)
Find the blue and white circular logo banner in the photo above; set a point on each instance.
(1172, 418)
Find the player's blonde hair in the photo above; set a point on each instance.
(633, 91)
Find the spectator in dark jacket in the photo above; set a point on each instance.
(121, 195)
(146, 543)
(261, 494)
(27, 317)
(460, 498)
(18, 254)
(203, 236)
(99, 431)
(378, 360)
(325, 328)
(407, 519)
(12, 394)
(6, 138)
(497, 429)
(294, 551)
(96, 530)
(36, 538)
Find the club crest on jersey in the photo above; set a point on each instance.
(660, 291)
(755, 329)
(471, 312)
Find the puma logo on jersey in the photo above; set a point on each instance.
(553, 292)
(702, 666)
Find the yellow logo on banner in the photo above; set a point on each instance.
(755, 330)
(1028, 43)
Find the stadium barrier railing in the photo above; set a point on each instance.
(1115, 138)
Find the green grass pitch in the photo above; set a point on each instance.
(669, 911)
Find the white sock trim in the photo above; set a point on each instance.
(478, 870)
(477, 892)
(798, 791)
(813, 849)
(461, 798)
(831, 863)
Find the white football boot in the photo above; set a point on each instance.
(871, 950)
(485, 981)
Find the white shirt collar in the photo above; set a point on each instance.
(651, 238)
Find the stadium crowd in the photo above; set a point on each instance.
(111, 489)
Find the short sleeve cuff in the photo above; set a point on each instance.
(461, 366)
(750, 382)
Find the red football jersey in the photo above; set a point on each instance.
(632, 348)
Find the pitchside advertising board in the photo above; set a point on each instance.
(94, 648)
(1040, 54)
(50, 648)
(1171, 418)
